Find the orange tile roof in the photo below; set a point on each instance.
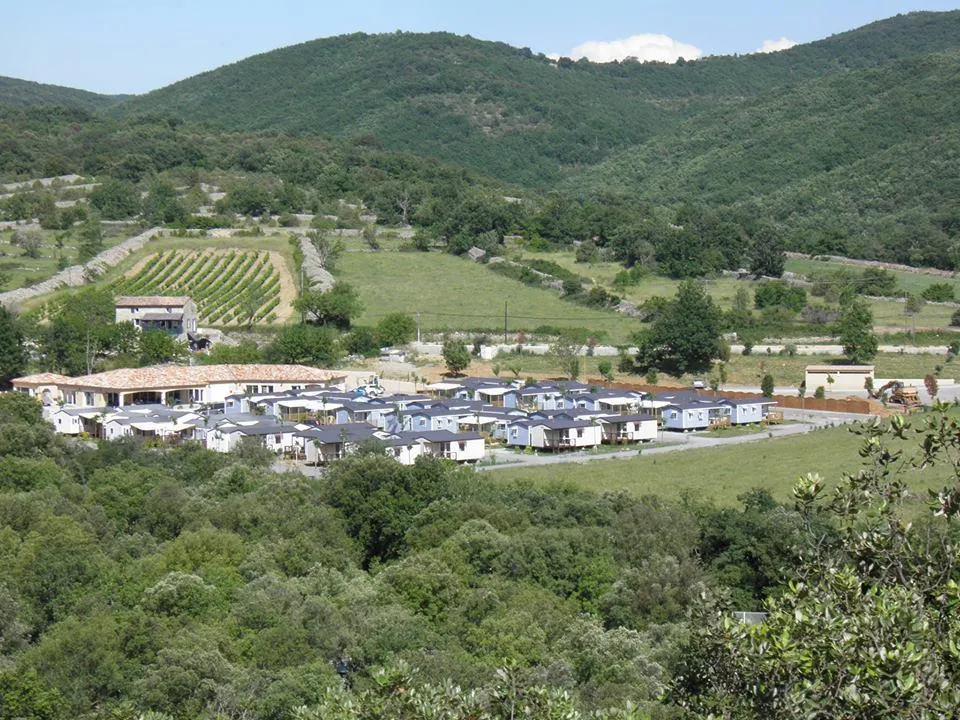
(151, 300)
(45, 378)
(179, 376)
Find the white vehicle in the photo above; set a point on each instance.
(371, 388)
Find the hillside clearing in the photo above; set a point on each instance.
(453, 294)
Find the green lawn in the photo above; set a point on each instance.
(452, 293)
(721, 474)
(890, 313)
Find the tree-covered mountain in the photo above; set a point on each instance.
(846, 163)
(846, 145)
(504, 110)
(24, 93)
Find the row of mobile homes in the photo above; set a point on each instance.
(694, 412)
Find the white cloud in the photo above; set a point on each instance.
(645, 48)
(772, 46)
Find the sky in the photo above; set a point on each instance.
(119, 46)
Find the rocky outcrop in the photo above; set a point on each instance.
(318, 277)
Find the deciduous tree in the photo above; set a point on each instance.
(864, 628)
(685, 338)
(856, 332)
(337, 306)
(456, 356)
(12, 356)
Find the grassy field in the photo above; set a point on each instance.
(452, 293)
(17, 270)
(913, 283)
(886, 313)
(721, 474)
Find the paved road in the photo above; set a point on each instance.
(667, 442)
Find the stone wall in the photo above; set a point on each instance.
(318, 276)
(77, 275)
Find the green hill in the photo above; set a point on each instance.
(506, 111)
(24, 93)
(862, 156)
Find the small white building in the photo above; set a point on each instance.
(459, 447)
(77, 421)
(629, 428)
(332, 442)
(562, 433)
(404, 450)
(838, 378)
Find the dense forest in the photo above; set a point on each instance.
(864, 164)
(503, 110)
(23, 93)
(848, 145)
(137, 579)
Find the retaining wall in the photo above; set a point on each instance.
(76, 275)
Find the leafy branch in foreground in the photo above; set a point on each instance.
(396, 694)
(868, 625)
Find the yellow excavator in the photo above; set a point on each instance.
(898, 394)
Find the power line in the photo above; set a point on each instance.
(428, 313)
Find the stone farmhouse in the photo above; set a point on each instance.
(173, 314)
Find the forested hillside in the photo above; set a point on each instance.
(504, 110)
(23, 93)
(135, 579)
(864, 163)
(848, 145)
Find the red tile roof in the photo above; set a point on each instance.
(179, 376)
(45, 378)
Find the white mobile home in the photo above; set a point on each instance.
(629, 428)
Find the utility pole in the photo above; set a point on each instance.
(418, 327)
(504, 322)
